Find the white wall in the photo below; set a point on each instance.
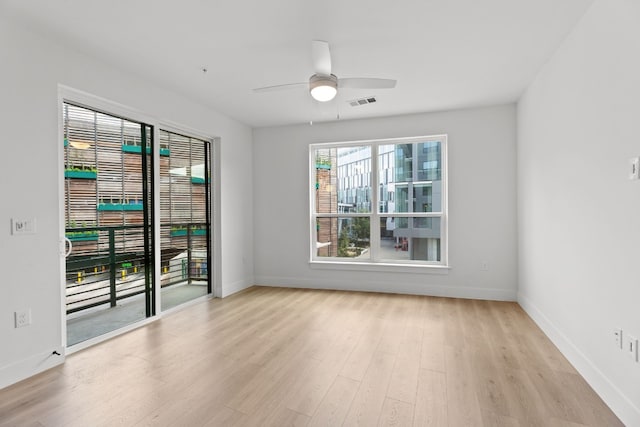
(578, 214)
(32, 67)
(482, 204)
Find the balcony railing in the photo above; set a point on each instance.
(111, 265)
(184, 253)
(108, 268)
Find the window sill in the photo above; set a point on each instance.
(380, 267)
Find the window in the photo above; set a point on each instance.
(391, 210)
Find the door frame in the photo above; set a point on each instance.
(97, 103)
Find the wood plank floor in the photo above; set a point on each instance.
(280, 357)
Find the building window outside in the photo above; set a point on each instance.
(391, 210)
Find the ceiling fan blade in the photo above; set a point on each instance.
(321, 57)
(366, 83)
(281, 87)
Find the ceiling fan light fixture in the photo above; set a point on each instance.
(323, 88)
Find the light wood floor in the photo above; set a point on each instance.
(271, 356)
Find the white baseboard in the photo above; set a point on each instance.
(385, 287)
(29, 367)
(232, 288)
(622, 406)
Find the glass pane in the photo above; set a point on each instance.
(410, 238)
(183, 215)
(108, 285)
(343, 237)
(343, 180)
(406, 185)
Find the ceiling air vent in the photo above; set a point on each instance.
(362, 101)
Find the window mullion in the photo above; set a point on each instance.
(374, 230)
(313, 236)
(342, 215)
(416, 214)
(444, 226)
(313, 233)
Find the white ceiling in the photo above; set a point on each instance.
(445, 54)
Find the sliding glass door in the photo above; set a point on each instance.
(185, 226)
(109, 216)
(108, 213)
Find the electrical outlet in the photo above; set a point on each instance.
(617, 333)
(484, 266)
(631, 347)
(22, 318)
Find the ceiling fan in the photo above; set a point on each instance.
(323, 85)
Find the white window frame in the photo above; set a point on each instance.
(375, 262)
